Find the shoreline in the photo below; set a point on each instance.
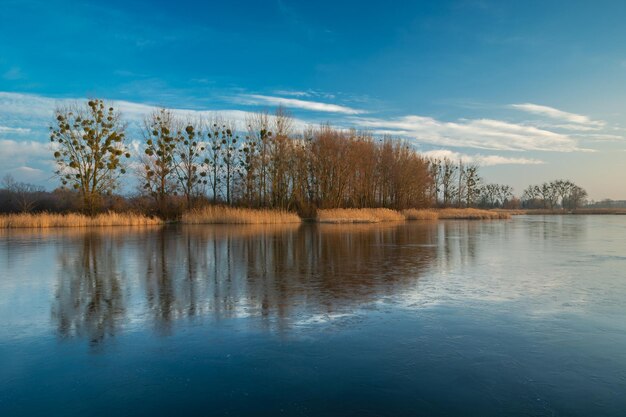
(235, 215)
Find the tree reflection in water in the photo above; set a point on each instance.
(89, 299)
(281, 274)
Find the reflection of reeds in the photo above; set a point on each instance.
(233, 215)
(41, 233)
(365, 215)
(216, 231)
(46, 220)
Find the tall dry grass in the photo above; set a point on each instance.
(471, 214)
(512, 212)
(233, 215)
(364, 215)
(455, 213)
(47, 220)
(420, 214)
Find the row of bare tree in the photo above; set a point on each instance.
(265, 164)
(454, 183)
(555, 194)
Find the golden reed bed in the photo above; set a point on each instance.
(385, 215)
(455, 213)
(364, 215)
(471, 214)
(47, 220)
(233, 215)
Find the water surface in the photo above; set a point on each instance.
(519, 317)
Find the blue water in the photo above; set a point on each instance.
(525, 317)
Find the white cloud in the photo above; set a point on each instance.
(17, 130)
(13, 152)
(27, 160)
(257, 99)
(31, 114)
(553, 113)
(292, 93)
(34, 113)
(483, 160)
(29, 174)
(605, 137)
(476, 133)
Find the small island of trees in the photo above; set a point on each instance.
(184, 164)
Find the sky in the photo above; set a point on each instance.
(532, 91)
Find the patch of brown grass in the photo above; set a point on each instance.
(234, 215)
(421, 214)
(364, 215)
(47, 220)
(512, 212)
(471, 214)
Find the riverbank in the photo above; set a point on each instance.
(385, 215)
(234, 215)
(49, 220)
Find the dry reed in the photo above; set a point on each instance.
(364, 215)
(512, 212)
(423, 214)
(233, 215)
(47, 220)
(471, 214)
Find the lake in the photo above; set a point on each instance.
(521, 317)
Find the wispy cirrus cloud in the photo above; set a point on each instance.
(488, 134)
(577, 119)
(24, 120)
(15, 130)
(480, 159)
(32, 114)
(317, 106)
(293, 93)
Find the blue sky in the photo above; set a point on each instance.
(532, 90)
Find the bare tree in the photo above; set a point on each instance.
(489, 194)
(25, 196)
(215, 133)
(279, 157)
(472, 184)
(158, 164)
(260, 133)
(505, 193)
(448, 180)
(190, 166)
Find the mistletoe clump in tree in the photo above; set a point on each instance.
(191, 167)
(89, 150)
(158, 164)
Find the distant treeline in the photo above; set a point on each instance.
(183, 163)
(556, 194)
